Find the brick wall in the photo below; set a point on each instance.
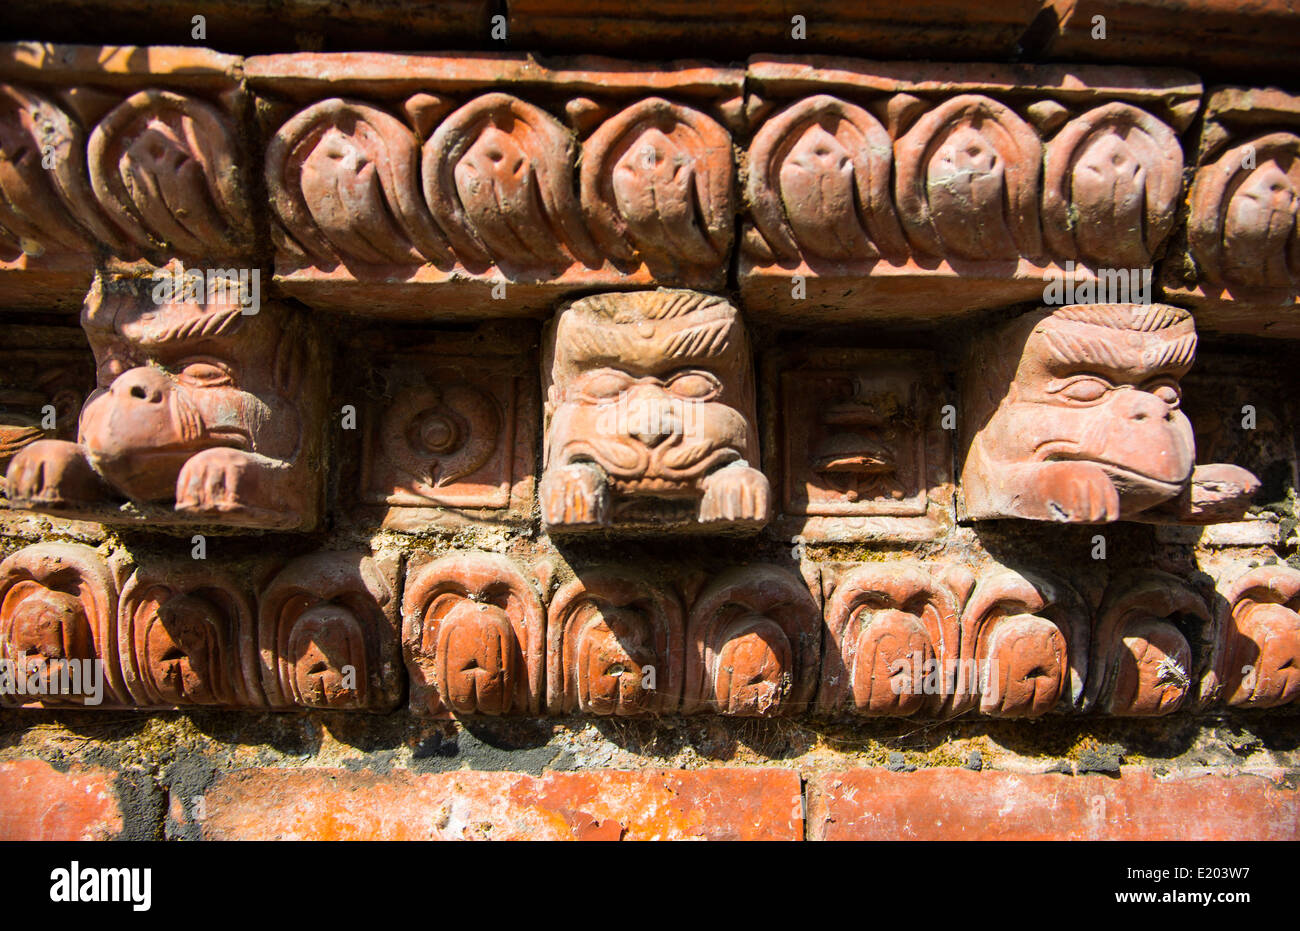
(471, 445)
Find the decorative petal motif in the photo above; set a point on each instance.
(343, 180)
(58, 602)
(893, 639)
(327, 635)
(1027, 637)
(755, 636)
(1110, 192)
(819, 183)
(473, 637)
(164, 168)
(1263, 650)
(967, 181)
(46, 204)
(1149, 649)
(186, 637)
(1242, 224)
(657, 188)
(498, 176)
(614, 644)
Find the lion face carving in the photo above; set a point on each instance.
(650, 396)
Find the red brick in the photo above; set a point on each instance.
(321, 804)
(38, 802)
(958, 804)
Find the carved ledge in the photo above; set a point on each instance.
(489, 634)
(117, 154)
(906, 190)
(871, 189)
(1240, 269)
(394, 175)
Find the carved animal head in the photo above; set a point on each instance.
(1100, 383)
(652, 386)
(179, 377)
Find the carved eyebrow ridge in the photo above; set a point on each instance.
(1075, 348)
(707, 340)
(205, 325)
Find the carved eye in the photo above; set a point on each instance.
(114, 363)
(204, 373)
(1084, 390)
(694, 386)
(1166, 391)
(605, 385)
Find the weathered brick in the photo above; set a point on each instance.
(38, 802)
(958, 804)
(331, 804)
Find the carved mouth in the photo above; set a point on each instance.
(233, 438)
(863, 464)
(1123, 476)
(649, 464)
(1058, 451)
(652, 485)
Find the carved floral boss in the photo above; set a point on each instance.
(1242, 222)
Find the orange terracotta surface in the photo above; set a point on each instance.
(722, 804)
(957, 804)
(39, 802)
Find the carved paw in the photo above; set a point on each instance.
(221, 482)
(1069, 492)
(51, 473)
(1220, 493)
(736, 493)
(575, 495)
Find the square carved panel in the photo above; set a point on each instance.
(859, 445)
(451, 425)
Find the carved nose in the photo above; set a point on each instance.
(142, 384)
(1145, 406)
(653, 423)
(652, 439)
